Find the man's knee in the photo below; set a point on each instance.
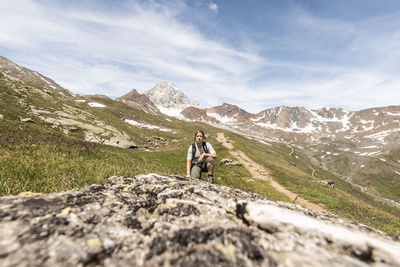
(195, 172)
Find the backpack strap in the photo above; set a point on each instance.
(193, 151)
(205, 147)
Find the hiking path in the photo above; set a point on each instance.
(261, 173)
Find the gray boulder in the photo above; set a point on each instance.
(228, 162)
(152, 220)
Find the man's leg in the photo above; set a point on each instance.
(209, 163)
(195, 172)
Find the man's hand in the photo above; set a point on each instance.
(201, 157)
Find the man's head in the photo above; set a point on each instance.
(199, 136)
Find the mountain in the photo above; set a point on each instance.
(169, 99)
(140, 101)
(26, 95)
(28, 76)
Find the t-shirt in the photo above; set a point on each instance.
(199, 151)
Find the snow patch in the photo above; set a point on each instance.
(142, 125)
(362, 166)
(96, 105)
(173, 112)
(258, 119)
(80, 100)
(373, 146)
(393, 114)
(263, 142)
(380, 136)
(309, 128)
(224, 119)
(382, 159)
(398, 173)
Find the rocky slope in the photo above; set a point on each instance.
(30, 77)
(152, 220)
(169, 99)
(140, 101)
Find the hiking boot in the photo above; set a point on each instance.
(210, 179)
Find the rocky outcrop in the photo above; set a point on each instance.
(30, 77)
(197, 114)
(228, 162)
(140, 101)
(227, 113)
(152, 220)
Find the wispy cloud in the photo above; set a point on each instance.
(92, 51)
(213, 6)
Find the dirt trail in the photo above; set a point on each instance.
(259, 172)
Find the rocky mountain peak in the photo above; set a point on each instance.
(166, 95)
(31, 77)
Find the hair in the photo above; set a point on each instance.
(199, 131)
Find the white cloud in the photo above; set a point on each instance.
(103, 51)
(212, 6)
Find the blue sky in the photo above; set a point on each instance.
(255, 54)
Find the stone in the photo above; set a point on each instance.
(27, 120)
(153, 220)
(228, 162)
(1, 117)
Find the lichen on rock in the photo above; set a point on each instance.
(152, 220)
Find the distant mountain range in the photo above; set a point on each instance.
(369, 129)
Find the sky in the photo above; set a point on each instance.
(254, 54)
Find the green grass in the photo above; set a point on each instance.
(344, 200)
(40, 159)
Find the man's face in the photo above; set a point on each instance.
(199, 137)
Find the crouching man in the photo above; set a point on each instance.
(200, 158)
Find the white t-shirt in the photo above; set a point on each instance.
(199, 151)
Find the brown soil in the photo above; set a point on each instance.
(261, 173)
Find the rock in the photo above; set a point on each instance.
(330, 183)
(152, 220)
(27, 120)
(1, 117)
(228, 162)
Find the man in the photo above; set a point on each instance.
(200, 158)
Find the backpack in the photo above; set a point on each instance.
(204, 145)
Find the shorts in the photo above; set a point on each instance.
(197, 168)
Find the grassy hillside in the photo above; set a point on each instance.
(294, 171)
(40, 159)
(42, 156)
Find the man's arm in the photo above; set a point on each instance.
(211, 149)
(213, 155)
(188, 165)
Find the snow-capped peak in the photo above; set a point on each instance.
(167, 95)
(169, 99)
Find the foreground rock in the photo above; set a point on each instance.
(154, 220)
